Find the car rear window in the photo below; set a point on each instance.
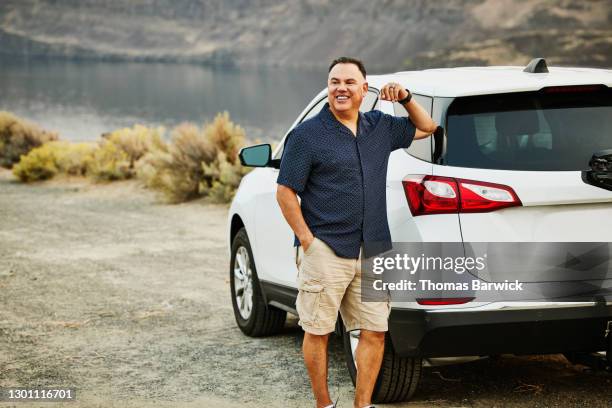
(554, 129)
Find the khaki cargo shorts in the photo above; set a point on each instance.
(328, 283)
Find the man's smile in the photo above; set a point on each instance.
(342, 98)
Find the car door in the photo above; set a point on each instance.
(276, 255)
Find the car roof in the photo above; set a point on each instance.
(465, 81)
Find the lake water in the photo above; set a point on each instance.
(82, 100)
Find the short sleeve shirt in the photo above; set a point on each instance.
(341, 178)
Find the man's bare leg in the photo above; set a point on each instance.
(315, 357)
(369, 357)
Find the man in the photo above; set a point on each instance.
(337, 163)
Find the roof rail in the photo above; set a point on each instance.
(536, 66)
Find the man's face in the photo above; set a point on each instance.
(346, 88)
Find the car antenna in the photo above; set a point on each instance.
(536, 66)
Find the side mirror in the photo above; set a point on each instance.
(258, 156)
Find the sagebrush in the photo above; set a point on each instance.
(198, 162)
(18, 137)
(53, 158)
(119, 151)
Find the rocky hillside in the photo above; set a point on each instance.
(386, 34)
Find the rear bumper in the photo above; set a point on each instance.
(527, 331)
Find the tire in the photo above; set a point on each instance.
(254, 317)
(570, 357)
(398, 378)
(609, 350)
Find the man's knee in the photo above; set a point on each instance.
(311, 339)
(370, 336)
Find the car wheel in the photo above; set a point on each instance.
(609, 349)
(253, 316)
(398, 378)
(570, 357)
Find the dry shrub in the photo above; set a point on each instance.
(137, 141)
(109, 163)
(38, 164)
(18, 137)
(46, 161)
(224, 178)
(118, 152)
(73, 158)
(177, 171)
(225, 136)
(197, 162)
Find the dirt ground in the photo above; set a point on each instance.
(104, 289)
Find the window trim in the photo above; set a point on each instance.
(310, 110)
(429, 110)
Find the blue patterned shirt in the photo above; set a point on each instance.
(341, 178)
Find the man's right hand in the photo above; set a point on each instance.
(307, 242)
(290, 207)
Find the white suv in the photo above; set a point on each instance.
(530, 134)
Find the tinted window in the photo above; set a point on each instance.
(555, 129)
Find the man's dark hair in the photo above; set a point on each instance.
(348, 60)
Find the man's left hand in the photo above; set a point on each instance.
(393, 92)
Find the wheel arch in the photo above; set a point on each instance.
(236, 224)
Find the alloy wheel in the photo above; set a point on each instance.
(243, 283)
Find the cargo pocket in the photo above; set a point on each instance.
(308, 301)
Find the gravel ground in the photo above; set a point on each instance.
(104, 289)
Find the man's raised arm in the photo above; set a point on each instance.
(425, 125)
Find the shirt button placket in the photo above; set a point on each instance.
(363, 192)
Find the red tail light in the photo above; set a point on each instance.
(447, 195)
(444, 301)
(431, 195)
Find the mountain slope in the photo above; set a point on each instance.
(385, 34)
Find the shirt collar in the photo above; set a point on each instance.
(331, 122)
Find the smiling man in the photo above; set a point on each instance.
(337, 163)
